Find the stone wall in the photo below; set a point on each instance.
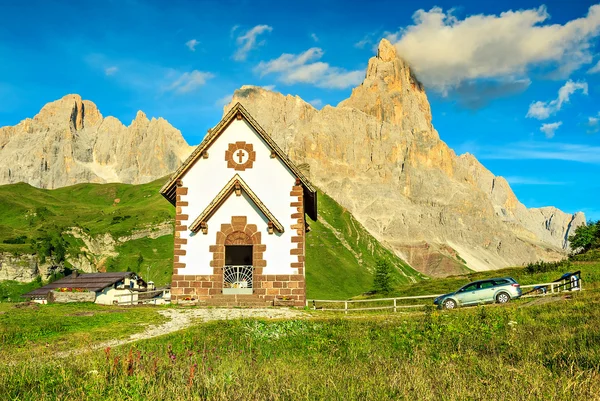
(67, 297)
(266, 287)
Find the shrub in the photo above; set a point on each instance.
(22, 239)
(543, 267)
(586, 237)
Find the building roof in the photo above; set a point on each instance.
(89, 281)
(310, 193)
(235, 183)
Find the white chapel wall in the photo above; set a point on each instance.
(270, 180)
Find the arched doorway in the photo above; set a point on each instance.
(238, 269)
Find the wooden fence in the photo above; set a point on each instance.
(139, 300)
(403, 303)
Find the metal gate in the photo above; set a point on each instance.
(237, 280)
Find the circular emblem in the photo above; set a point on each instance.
(240, 156)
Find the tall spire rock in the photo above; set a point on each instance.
(391, 92)
(69, 142)
(378, 155)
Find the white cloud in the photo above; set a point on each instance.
(247, 41)
(269, 87)
(543, 110)
(314, 37)
(542, 151)
(518, 180)
(111, 70)
(550, 128)
(191, 44)
(445, 50)
(594, 124)
(305, 68)
(189, 81)
(317, 103)
(595, 68)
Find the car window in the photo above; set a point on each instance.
(501, 281)
(486, 284)
(470, 287)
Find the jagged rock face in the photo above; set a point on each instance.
(379, 156)
(69, 142)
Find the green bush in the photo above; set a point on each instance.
(586, 237)
(544, 267)
(22, 239)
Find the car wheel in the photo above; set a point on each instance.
(449, 304)
(502, 298)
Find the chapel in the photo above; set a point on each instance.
(240, 221)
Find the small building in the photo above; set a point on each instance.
(107, 288)
(240, 218)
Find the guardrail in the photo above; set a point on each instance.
(555, 287)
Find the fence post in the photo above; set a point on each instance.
(394, 304)
(346, 307)
(552, 288)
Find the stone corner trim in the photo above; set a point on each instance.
(180, 225)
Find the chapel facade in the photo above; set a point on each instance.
(240, 221)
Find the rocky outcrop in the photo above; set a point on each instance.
(90, 258)
(69, 142)
(25, 268)
(378, 154)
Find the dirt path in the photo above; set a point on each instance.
(179, 319)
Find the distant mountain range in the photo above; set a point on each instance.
(69, 142)
(376, 153)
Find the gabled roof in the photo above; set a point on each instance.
(89, 281)
(236, 183)
(310, 193)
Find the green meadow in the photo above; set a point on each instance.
(531, 349)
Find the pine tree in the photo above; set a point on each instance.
(382, 280)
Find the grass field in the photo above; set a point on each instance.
(548, 348)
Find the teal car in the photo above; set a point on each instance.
(500, 290)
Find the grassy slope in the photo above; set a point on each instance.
(341, 254)
(37, 213)
(341, 265)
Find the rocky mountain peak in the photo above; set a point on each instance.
(378, 155)
(72, 109)
(386, 51)
(391, 92)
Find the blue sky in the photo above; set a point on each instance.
(515, 83)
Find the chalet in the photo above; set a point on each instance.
(240, 218)
(101, 288)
